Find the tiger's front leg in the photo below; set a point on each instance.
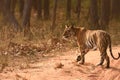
(81, 57)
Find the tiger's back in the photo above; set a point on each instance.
(96, 38)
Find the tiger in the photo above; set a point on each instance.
(90, 39)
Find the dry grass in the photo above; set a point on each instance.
(17, 51)
(41, 36)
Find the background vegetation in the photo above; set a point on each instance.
(40, 20)
(32, 27)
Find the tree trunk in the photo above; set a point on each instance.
(115, 9)
(54, 15)
(27, 13)
(94, 15)
(78, 9)
(46, 9)
(26, 17)
(34, 5)
(68, 10)
(105, 14)
(1, 6)
(13, 5)
(8, 15)
(21, 7)
(39, 9)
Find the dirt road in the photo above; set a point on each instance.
(48, 69)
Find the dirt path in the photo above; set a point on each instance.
(45, 69)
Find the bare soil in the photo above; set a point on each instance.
(62, 66)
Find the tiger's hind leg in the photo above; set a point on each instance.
(107, 61)
(104, 56)
(101, 61)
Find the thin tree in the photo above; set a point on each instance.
(115, 9)
(8, 14)
(78, 9)
(54, 15)
(21, 7)
(39, 9)
(105, 14)
(13, 5)
(68, 10)
(26, 16)
(34, 5)
(1, 6)
(46, 9)
(94, 14)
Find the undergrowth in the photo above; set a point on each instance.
(42, 38)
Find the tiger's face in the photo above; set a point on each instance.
(68, 32)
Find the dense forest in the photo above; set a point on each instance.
(32, 45)
(43, 18)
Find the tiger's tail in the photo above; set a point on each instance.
(110, 49)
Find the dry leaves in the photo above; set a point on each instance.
(51, 45)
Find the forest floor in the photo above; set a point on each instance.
(61, 65)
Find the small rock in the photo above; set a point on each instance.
(58, 65)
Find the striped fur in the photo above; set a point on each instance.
(91, 39)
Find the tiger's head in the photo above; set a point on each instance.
(69, 32)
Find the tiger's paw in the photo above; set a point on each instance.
(107, 66)
(99, 65)
(78, 58)
(81, 63)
